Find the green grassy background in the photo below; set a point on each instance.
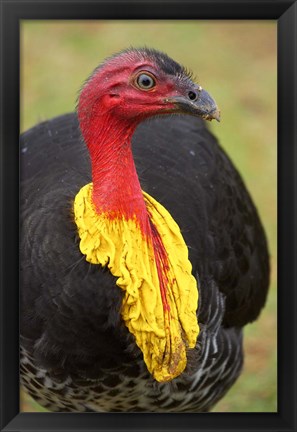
(236, 62)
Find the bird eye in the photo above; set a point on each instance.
(145, 81)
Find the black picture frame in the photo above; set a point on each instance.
(285, 12)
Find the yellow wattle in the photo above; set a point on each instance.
(162, 335)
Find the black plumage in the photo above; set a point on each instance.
(77, 353)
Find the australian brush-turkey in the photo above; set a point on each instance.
(133, 298)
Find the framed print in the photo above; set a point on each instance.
(233, 367)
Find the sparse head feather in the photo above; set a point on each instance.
(104, 73)
(161, 60)
(115, 88)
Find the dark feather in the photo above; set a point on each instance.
(70, 310)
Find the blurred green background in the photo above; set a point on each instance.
(236, 62)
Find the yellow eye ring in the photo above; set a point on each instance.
(145, 81)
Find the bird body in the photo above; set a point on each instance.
(172, 217)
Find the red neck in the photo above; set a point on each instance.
(116, 188)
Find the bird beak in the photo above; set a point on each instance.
(203, 106)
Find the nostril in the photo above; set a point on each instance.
(192, 95)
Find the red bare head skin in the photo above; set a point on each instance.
(113, 88)
(126, 89)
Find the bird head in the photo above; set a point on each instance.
(140, 83)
